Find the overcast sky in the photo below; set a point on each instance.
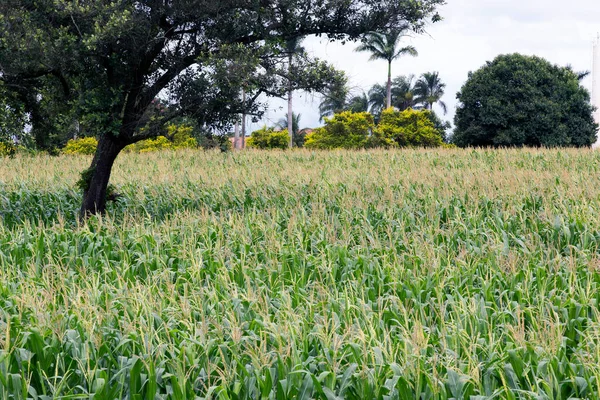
(473, 32)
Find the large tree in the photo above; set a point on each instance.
(386, 46)
(519, 100)
(114, 58)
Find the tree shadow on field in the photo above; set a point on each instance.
(34, 207)
(25, 206)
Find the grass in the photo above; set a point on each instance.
(297, 275)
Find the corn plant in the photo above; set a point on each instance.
(414, 274)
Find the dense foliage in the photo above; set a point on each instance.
(13, 118)
(519, 100)
(346, 130)
(269, 138)
(7, 149)
(86, 146)
(178, 137)
(308, 275)
(410, 127)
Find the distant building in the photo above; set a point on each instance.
(306, 131)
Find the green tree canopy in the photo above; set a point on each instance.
(519, 100)
(12, 117)
(110, 60)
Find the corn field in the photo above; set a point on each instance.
(415, 274)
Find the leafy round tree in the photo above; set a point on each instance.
(519, 100)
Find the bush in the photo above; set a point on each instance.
(7, 149)
(443, 127)
(347, 130)
(519, 100)
(149, 145)
(409, 128)
(86, 146)
(269, 138)
(181, 138)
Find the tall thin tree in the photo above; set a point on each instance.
(244, 119)
(292, 48)
(236, 136)
(386, 46)
(284, 123)
(429, 90)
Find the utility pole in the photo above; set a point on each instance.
(595, 82)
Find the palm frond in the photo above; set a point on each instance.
(408, 50)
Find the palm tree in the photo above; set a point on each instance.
(292, 48)
(359, 103)
(429, 90)
(403, 95)
(334, 97)
(403, 92)
(385, 46)
(377, 98)
(284, 123)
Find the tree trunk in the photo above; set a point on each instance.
(94, 197)
(236, 137)
(244, 120)
(389, 86)
(290, 111)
